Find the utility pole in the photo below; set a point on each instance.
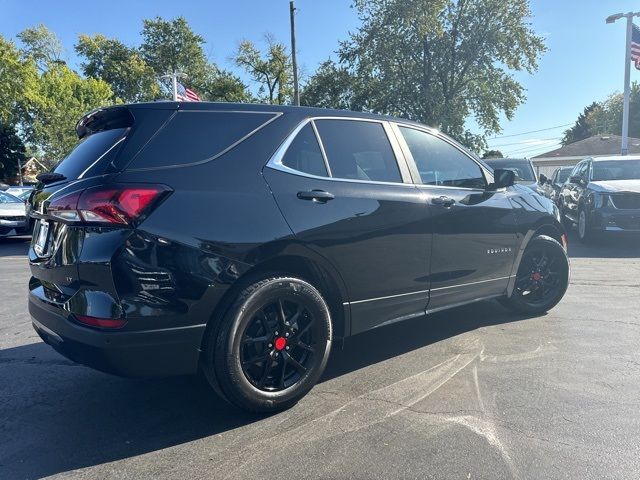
(20, 171)
(174, 81)
(624, 148)
(296, 89)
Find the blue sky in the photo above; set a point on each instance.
(584, 61)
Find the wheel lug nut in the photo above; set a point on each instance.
(287, 347)
(286, 334)
(270, 345)
(276, 333)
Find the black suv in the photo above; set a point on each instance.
(244, 240)
(602, 195)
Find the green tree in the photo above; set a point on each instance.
(223, 86)
(605, 117)
(62, 98)
(12, 151)
(442, 61)
(333, 86)
(492, 154)
(170, 45)
(19, 77)
(122, 67)
(42, 46)
(583, 128)
(271, 70)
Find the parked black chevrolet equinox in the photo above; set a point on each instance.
(244, 240)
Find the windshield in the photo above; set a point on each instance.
(616, 170)
(563, 175)
(7, 198)
(521, 168)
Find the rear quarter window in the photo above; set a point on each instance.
(91, 155)
(197, 136)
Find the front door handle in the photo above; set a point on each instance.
(443, 201)
(319, 196)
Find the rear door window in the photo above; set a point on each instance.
(92, 153)
(197, 136)
(358, 150)
(304, 153)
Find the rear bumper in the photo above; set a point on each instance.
(154, 353)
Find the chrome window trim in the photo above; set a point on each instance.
(322, 150)
(275, 162)
(118, 142)
(428, 290)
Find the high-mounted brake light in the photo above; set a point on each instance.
(107, 205)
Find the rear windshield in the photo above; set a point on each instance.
(195, 136)
(89, 154)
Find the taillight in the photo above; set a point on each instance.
(101, 322)
(107, 205)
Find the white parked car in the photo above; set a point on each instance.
(13, 216)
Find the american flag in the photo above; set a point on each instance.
(635, 46)
(186, 94)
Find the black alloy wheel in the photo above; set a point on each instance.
(542, 278)
(272, 345)
(278, 345)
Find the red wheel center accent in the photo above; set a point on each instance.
(280, 343)
(536, 276)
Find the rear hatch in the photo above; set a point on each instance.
(79, 196)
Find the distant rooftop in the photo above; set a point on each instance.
(595, 145)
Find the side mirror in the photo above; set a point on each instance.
(502, 178)
(543, 179)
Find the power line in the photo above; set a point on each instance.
(530, 150)
(523, 142)
(532, 131)
(535, 149)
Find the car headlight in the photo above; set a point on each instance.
(601, 200)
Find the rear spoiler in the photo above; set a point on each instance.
(104, 118)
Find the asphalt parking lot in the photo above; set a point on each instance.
(475, 392)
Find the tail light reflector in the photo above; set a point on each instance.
(108, 205)
(101, 322)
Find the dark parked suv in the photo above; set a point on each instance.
(244, 240)
(602, 195)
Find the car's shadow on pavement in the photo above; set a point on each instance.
(14, 246)
(56, 416)
(607, 246)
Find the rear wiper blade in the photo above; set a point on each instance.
(50, 177)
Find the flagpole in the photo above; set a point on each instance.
(174, 82)
(624, 149)
(175, 86)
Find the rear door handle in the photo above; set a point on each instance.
(443, 201)
(316, 195)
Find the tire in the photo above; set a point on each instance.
(542, 278)
(585, 233)
(257, 369)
